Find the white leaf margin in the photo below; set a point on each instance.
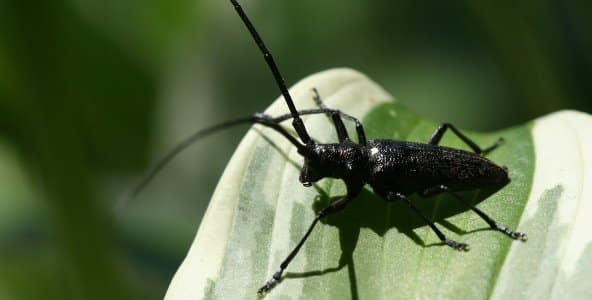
(561, 265)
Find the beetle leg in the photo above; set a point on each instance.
(341, 131)
(439, 132)
(333, 114)
(336, 116)
(492, 223)
(318, 101)
(332, 208)
(455, 245)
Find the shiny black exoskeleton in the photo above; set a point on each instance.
(406, 167)
(394, 169)
(411, 167)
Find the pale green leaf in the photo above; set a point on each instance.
(376, 250)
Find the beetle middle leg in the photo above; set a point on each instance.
(491, 222)
(455, 245)
(439, 132)
(332, 208)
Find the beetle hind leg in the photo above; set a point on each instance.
(453, 244)
(491, 222)
(513, 234)
(439, 132)
(500, 141)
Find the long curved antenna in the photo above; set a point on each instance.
(296, 122)
(257, 118)
(263, 119)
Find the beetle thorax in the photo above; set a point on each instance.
(342, 160)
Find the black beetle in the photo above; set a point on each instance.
(394, 169)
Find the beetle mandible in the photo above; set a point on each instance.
(394, 169)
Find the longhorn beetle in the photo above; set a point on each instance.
(394, 169)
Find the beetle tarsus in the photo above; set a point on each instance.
(497, 143)
(513, 234)
(520, 236)
(270, 284)
(456, 245)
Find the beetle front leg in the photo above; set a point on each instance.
(455, 245)
(332, 208)
(439, 132)
(336, 116)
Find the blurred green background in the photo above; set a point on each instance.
(93, 91)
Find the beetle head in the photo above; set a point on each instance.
(330, 160)
(310, 172)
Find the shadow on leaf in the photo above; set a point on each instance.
(366, 211)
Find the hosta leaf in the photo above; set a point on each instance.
(377, 250)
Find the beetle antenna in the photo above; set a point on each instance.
(296, 122)
(262, 119)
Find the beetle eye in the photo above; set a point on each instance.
(308, 174)
(304, 178)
